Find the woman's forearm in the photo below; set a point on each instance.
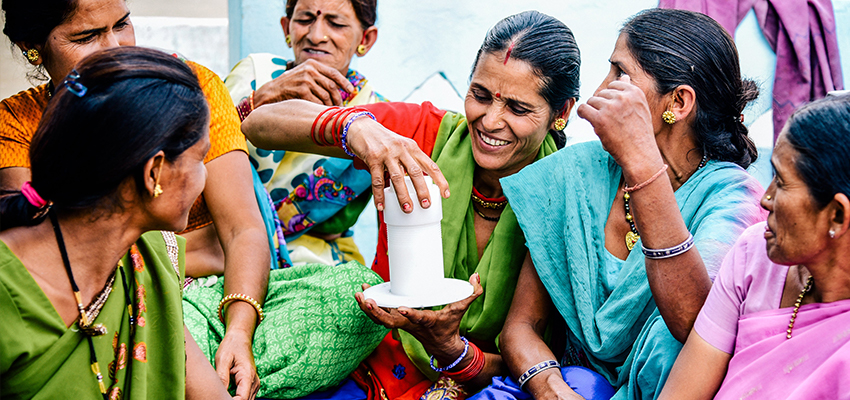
(287, 125)
(679, 284)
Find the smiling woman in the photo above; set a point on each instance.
(518, 100)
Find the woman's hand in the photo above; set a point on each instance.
(620, 117)
(436, 330)
(311, 80)
(385, 151)
(235, 359)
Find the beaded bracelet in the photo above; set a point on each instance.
(472, 369)
(629, 189)
(660, 254)
(240, 297)
(536, 369)
(344, 138)
(456, 362)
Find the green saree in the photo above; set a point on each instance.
(41, 358)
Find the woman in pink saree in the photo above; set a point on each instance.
(776, 324)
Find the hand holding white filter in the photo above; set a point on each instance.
(415, 246)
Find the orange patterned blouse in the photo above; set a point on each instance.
(20, 114)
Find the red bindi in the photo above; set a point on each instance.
(318, 13)
(498, 95)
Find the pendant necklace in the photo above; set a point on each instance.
(632, 236)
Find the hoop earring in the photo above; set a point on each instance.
(361, 50)
(31, 55)
(560, 124)
(288, 40)
(669, 117)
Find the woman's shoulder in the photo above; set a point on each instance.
(22, 111)
(165, 251)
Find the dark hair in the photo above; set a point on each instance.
(677, 47)
(366, 11)
(548, 46)
(30, 21)
(138, 102)
(818, 131)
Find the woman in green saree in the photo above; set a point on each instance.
(524, 83)
(90, 302)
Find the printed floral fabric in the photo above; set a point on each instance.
(308, 191)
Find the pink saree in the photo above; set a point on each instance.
(813, 364)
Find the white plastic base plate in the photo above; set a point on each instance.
(448, 291)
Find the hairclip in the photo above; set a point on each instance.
(73, 86)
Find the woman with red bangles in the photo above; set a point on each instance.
(516, 106)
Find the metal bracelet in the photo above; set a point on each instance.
(660, 254)
(536, 369)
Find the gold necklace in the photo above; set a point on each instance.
(797, 304)
(632, 236)
(486, 202)
(486, 218)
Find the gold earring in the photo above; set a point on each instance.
(288, 40)
(31, 55)
(560, 124)
(157, 190)
(768, 197)
(361, 49)
(669, 117)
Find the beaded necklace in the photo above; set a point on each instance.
(797, 304)
(632, 236)
(85, 324)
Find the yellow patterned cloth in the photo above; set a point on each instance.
(20, 114)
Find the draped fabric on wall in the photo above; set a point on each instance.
(807, 60)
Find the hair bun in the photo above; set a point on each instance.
(749, 92)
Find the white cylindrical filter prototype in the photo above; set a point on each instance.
(414, 241)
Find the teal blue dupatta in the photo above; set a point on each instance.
(562, 203)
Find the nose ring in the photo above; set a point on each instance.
(325, 38)
(768, 197)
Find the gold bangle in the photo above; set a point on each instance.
(251, 100)
(240, 297)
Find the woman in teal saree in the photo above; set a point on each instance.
(626, 234)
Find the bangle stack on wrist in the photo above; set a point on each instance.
(470, 371)
(339, 133)
(245, 106)
(536, 369)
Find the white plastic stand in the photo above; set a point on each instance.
(415, 249)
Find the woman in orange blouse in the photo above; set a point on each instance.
(226, 231)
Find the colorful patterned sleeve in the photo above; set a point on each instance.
(19, 117)
(225, 133)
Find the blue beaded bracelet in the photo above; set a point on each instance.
(456, 362)
(660, 254)
(344, 137)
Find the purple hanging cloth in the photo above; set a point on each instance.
(807, 61)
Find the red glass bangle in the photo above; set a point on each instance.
(472, 369)
(313, 133)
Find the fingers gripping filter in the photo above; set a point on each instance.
(415, 246)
